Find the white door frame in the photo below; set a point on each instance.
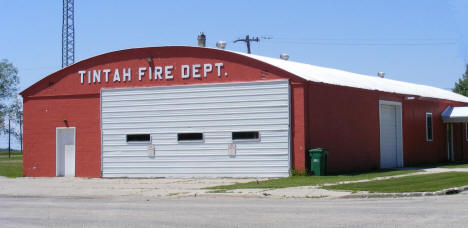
(57, 149)
(399, 127)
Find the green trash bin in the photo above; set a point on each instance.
(318, 161)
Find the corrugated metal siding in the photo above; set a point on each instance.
(215, 110)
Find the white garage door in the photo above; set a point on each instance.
(390, 135)
(232, 130)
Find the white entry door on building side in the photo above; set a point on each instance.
(65, 155)
(391, 152)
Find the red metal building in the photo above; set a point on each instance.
(189, 111)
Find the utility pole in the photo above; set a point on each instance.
(247, 40)
(68, 33)
(9, 136)
(21, 131)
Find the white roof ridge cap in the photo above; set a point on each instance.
(356, 80)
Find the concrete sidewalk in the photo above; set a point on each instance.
(165, 188)
(102, 187)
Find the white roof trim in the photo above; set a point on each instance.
(342, 78)
(455, 114)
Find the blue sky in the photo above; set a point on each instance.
(420, 41)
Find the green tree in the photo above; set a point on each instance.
(15, 113)
(461, 86)
(9, 81)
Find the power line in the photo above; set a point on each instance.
(368, 38)
(369, 42)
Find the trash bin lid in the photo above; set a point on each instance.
(318, 150)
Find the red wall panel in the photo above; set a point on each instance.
(464, 155)
(346, 121)
(417, 149)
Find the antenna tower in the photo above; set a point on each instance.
(68, 34)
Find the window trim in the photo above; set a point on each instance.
(432, 127)
(202, 140)
(245, 140)
(138, 142)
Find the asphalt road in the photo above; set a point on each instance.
(436, 211)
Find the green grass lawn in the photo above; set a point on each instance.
(451, 166)
(295, 181)
(13, 157)
(13, 152)
(13, 166)
(417, 183)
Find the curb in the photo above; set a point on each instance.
(448, 191)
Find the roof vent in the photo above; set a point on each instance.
(221, 44)
(201, 40)
(284, 56)
(381, 74)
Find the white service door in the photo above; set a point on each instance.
(69, 160)
(65, 155)
(216, 110)
(390, 134)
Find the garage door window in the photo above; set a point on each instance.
(428, 126)
(245, 136)
(138, 138)
(190, 137)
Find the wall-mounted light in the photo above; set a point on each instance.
(408, 98)
(149, 59)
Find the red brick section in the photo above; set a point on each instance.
(298, 126)
(43, 116)
(61, 96)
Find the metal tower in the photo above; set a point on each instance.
(68, 34)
